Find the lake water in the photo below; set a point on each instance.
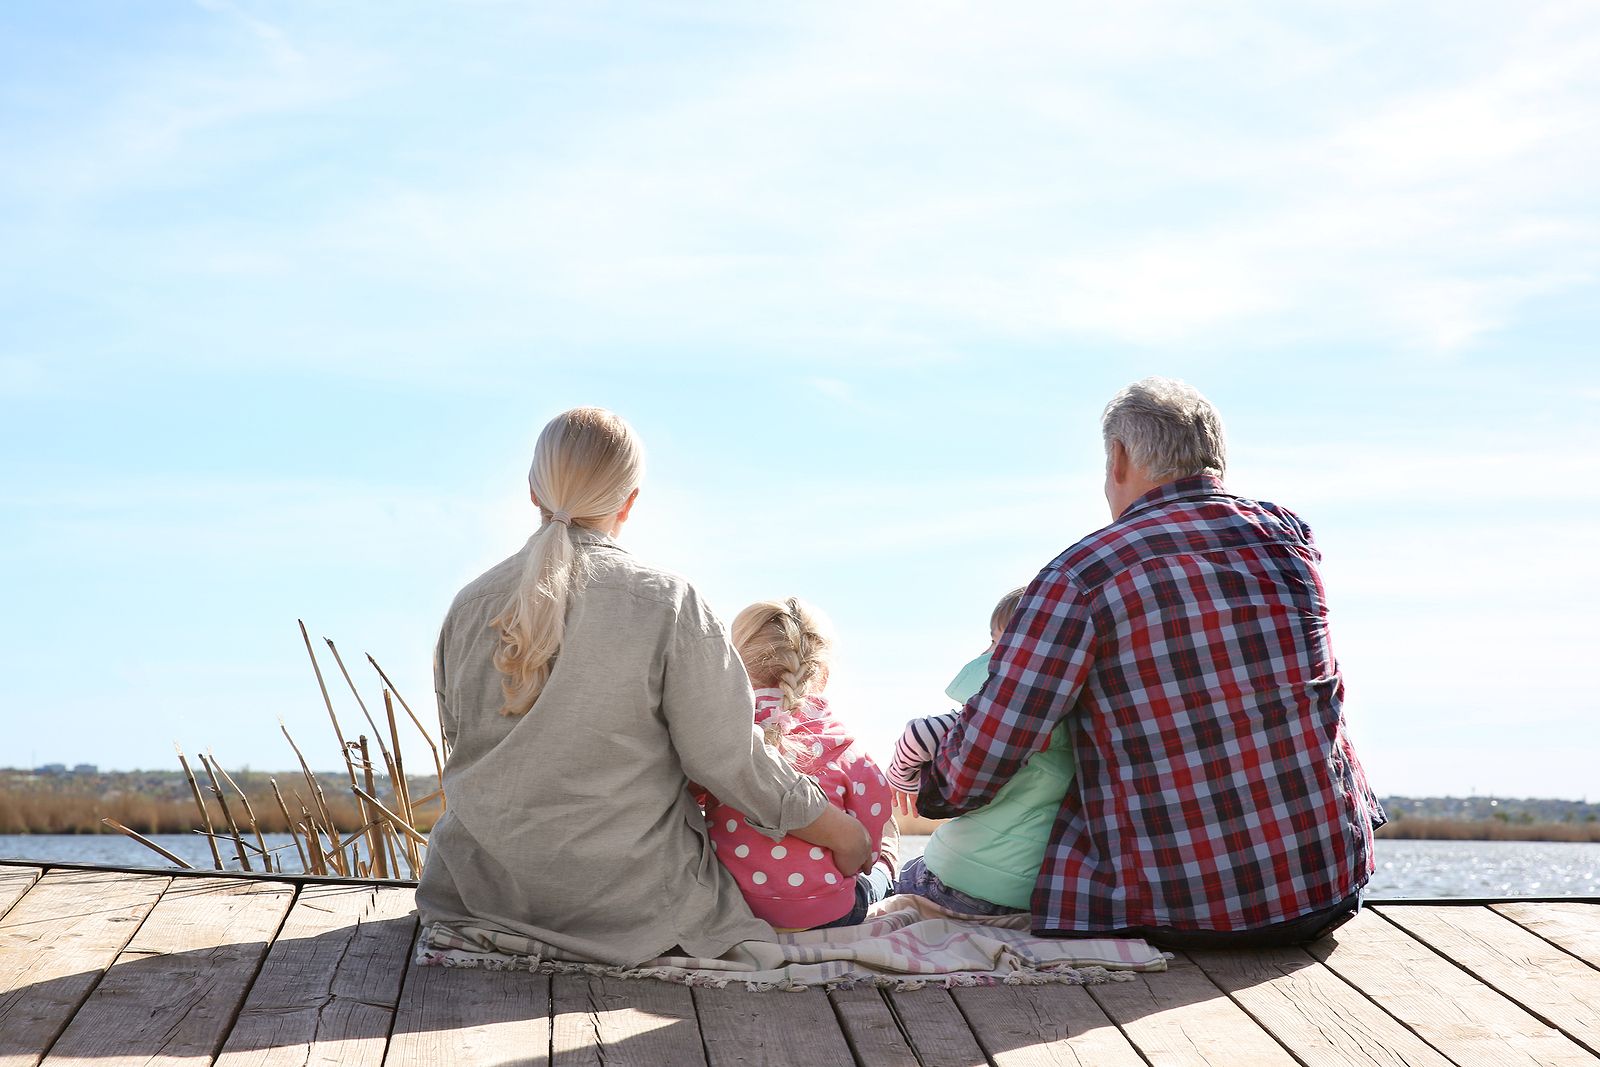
(1405, 868)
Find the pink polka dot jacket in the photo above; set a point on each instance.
(793, 884)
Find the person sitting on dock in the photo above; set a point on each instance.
(1218, 800)
(581, 690)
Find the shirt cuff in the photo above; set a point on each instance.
(803, 803)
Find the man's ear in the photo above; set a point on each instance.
(1117, 462)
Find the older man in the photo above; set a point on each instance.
(1218, 800)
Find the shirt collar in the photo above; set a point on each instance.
(1190, 488)
(584, 535)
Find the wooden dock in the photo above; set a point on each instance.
(123, 967)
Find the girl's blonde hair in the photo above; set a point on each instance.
(585, 466)
(1000, 618)
(785, 645)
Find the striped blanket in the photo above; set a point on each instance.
(906, 943)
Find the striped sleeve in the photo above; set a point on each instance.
(916, 747)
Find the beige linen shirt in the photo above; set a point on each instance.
(573, 824)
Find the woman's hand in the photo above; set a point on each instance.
(841, 834)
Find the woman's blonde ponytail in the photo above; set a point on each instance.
(586, 465)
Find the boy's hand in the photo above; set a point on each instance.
(905, 804)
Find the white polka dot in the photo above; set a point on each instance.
(778, 852)
(713, 846)
(732, 826)
(830, 878)
(816, 748)
(816, 853)
(876, 808)
(860, 788)
(796, 878)
(742, 851)
(759, 878)
(840, 790)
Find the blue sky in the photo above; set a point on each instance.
(289, 289)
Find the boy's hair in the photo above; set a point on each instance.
(1000, 618)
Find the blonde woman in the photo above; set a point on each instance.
(581, 690)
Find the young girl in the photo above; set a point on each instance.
(987, 861)
(787, 649)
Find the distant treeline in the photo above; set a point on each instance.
(65, 807)
(1415, 829)
(161, 803)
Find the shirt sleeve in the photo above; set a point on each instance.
(916, 746)
(1038, 670)
(447, 719)
(705, 698)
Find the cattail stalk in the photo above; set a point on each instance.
(147, 843)
(199, 802)
(222, 800)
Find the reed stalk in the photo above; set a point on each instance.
(399, 824)
(199, 802)
(287, 821)
(327, 701)
(233, 827)
(375, 839)
(315, 788)
(249, 812)
(437, 763)
(147, 843)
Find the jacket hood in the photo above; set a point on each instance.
(814, 736)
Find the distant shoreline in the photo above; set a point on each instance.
(74, 802)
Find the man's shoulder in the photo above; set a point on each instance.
(1216, 522)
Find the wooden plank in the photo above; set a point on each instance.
(466, 1015)
(55, 943)
(1575, 927)
(1036, 1026)
(769, 1029)
(936, 1028)
(15, 881)
(1561, 990)
(870, 1027)
(622, 1022)
(1181, 1017)
(1309, 1009)
(328, 989)
(173, 993)
(1444, 1005)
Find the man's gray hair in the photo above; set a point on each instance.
(1168, 428)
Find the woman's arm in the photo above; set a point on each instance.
(842, 835)
(706, 702)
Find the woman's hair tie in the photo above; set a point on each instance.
(561, 516)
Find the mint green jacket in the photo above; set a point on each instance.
(994, 853)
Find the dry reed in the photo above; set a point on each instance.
(361, 836)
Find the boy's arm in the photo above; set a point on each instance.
(1039, 668)
(916, 746)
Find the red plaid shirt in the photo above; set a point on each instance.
(1187, 643)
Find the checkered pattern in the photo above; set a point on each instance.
(1188, 645)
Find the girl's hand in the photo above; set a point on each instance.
(905, 804)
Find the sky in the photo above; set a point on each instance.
(287, 291)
